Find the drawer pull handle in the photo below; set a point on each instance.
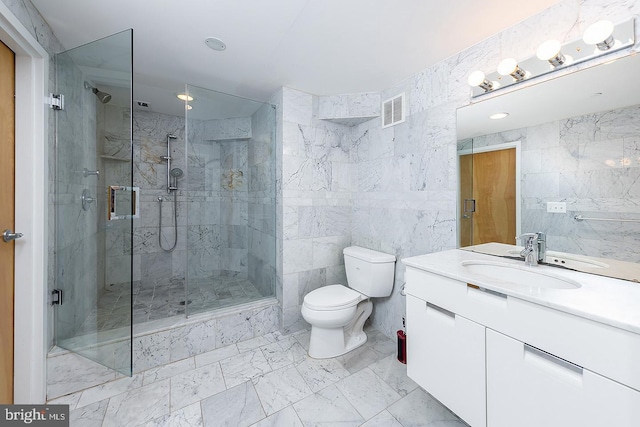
(487, 291)
(554, 359)
(442, 310)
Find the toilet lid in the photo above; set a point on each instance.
(331, 298)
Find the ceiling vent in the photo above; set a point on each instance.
(141, 105)
(393, 111)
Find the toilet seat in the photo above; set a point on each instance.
(333, 297)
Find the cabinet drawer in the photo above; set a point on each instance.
(446, 356)
(528, 387)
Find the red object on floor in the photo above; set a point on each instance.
(402, 347)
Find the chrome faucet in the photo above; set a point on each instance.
(535, 248)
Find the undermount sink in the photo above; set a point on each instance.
(518, 276)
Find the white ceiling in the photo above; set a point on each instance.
(322, 47)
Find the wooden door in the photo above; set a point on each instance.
(494, 190)
(7, 165)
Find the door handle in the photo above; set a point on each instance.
(9, 235)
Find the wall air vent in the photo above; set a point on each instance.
(393, 111)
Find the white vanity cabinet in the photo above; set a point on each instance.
(498, 360)
(527, 387)
(447, 355)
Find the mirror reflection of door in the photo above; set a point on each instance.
(488, 178)
(7, 132)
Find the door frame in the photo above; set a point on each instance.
(485, 149)
(31, 207)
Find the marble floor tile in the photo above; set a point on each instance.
(320, 373)
(112, 388)
(367, 392)
(138, 406)
(394, 373)
(241, 407)
(380, 343)
(383, 419)
(196, 385)
(303, 338)
(255, 343)
(244, 367)
(90, 415)
(284, 352)
(327, 407)
(189, 416)
(359, 359)
(280, 388)
(216, 355)
(69, 373)
(168, 371)
(239, 388)
(284, 417)
(418, 409)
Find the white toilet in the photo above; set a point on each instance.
(337, 313)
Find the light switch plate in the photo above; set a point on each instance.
(557, 207)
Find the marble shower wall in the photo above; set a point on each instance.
(592, 163)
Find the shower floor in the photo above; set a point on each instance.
(152, 301)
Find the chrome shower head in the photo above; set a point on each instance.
(104, 97)
(176, 172)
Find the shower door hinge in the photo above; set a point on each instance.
(56, 297)
(56, 101)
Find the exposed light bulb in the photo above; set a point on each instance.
(189, 107)
(509, 67)
(600, 34)
(550, 51)
(477, 79)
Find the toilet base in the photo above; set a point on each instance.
(332, 342)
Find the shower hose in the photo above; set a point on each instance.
(175, 224)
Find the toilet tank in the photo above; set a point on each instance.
(369, 272)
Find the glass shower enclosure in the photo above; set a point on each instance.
(95, 202)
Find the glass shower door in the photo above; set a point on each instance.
(95, 201)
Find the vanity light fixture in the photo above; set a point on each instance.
(477, 79)
(509, 67)
(600, 39)
(184, 97)
(189, 107)
(600, 34)
(550, 51)
(498, 116)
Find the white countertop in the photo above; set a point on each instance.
(610, 301)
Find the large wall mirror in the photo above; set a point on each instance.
(575, 151)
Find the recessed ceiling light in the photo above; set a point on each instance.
(215, 43)
(184, 97)
(498, 116)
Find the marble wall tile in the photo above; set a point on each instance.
(151, 351)
(234, 328)
(193, 339)
(90, 415)
(69, 373)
